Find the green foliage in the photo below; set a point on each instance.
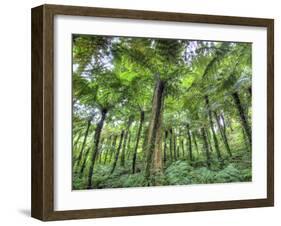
(181, 173)
(246, 174)
(178, 173)
(203, 176)
(118, 75)
(228, 174)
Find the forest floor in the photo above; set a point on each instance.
(180, 172)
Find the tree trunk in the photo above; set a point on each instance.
(206, 147)
(212, 129)
(112, 148)
(84, 142)
(171, 144)
(195, 142)
(122, 159)
(84, 162)
(243, 117)
(117, 152)
(209, 140)
(182, 147)
(246, 141)
(100, 150)
(128, 153)
(77, 140)
(122, 162)
(107, 149)
(165, 146)
(144, 140)
(175, 145)
(189, 148)
(137, 142)
(223, 134)
(154, 158)
(96, 146)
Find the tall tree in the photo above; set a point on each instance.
(154, 152)
(137, 141)
(112, 148)
(189, 148)
(223, 133)
(210, 115)
(84, 141)
(117, 152)
(122, 162)
(96, 145)
(206, 147)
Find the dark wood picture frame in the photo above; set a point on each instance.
(42, 203)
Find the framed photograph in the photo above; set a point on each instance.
(141, 112)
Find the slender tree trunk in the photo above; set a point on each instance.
(189, 147)
(223, 134)
(84, 162)
(206, 147)
(137, 142)
(175, 145)
(96, 146)
(182, 147)
(144, 141)
(122, 159)
(154, 153)
(213, 130)
(246, 141)
(129, 146)
(100, 150)
(171, 144)
(84, 142)
(165, 146)
(243, 117)
(209, 140)
(77, 140)
(122, 162)
(107, 149)
(117, 152)
(112, 148)
(195, 142)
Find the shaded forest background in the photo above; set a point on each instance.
(152, 112)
